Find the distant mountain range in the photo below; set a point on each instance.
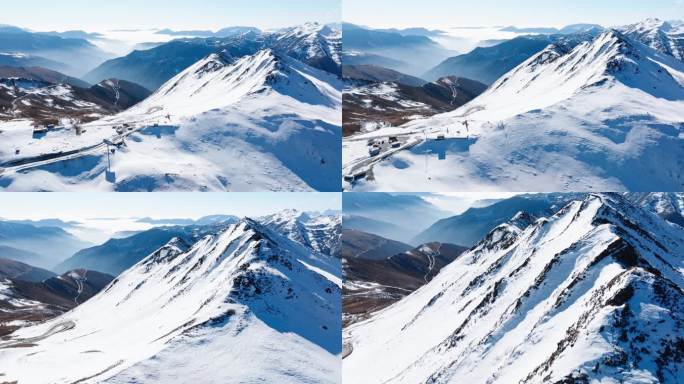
(224, 32)
(403, 52)
(568, 29)
(377, 227)
(16, 270)
(205, 220)
(407, 213)
(42, 247)
(319, 233)
(56, 51)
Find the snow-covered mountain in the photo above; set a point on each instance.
(263, 122)
(316, 44)
(592, 293)
(668, 205)
(604, 115)
(242, 305)
(320, 233)
(664, 36)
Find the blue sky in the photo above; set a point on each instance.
(537, 13)
(100, 15)
(81, 206)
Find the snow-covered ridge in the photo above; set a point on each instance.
(243, 286)
(216, 82)
(593, 292)
(556, 74)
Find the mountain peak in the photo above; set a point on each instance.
(212, 63)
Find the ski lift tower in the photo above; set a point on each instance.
(427, 175)
(109, 162)
(109, 175)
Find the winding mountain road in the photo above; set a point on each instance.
(55, 329)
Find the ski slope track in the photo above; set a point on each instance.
(260, 122)
(604, 115)
(245, 304)
(590, 294)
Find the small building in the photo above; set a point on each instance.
(374, 150)
(350, 178)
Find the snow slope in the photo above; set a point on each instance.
(590, 294)
(242, 305)
(263, 122)
(605, 115)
